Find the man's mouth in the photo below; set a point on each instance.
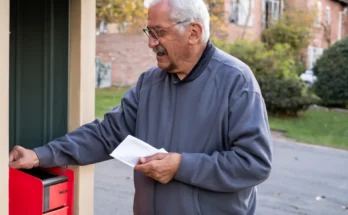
(160, 54)
(160, 51)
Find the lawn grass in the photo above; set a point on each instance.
(314, 126)
(107, 98)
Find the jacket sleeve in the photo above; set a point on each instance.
(247, 163)
(93, 142)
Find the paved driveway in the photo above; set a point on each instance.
(301, 175)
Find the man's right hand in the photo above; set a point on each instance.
(21, 158)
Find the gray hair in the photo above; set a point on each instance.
(188, 10)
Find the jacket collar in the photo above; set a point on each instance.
(200, 66)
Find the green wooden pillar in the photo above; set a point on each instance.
(39, 68)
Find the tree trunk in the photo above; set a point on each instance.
(327, 33)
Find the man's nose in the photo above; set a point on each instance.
(152, 42)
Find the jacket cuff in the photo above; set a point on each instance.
(186, 168)
(45, 156)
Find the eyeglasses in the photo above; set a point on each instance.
(153, 33)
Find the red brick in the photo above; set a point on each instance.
(131, 55)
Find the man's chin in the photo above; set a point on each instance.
(163, 65)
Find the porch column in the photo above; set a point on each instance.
(4, 98)
(82, 91)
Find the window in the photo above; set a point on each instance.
(327, 14)
(313, 55)
(271, 11)
(240, 11)
(234, 11)
(319, 12)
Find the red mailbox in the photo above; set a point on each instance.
(41, 191)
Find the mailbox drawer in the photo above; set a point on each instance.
(55, 196)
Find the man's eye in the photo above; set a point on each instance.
(160, 33)
(153, 34)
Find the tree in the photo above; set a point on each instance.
(132, 15)
(217, 13)
(129, 15)
(284, 93)
(293, 28)
(327, 32)
(332, 72)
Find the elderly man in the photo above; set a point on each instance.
(200, 104)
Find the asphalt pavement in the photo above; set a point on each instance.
(306, 180)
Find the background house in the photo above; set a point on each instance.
(129, 54)
(247, 19)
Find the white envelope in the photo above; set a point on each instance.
(131, 149)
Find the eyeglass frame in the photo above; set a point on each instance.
(148, 32)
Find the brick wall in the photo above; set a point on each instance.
(129, 55)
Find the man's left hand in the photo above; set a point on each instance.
(161, 166)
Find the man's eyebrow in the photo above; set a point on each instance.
(155, 27)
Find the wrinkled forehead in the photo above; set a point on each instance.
(159, 15)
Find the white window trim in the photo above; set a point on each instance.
(340, 14)
(243, 9)
(313, 54)
(320, 11)
(328, 15)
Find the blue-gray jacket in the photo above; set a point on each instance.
(215, 117)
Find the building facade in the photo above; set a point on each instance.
(129, 55)
(247, 18)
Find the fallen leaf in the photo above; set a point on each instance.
(318, 198)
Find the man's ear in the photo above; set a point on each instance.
(196, 31)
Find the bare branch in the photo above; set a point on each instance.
(327, 32)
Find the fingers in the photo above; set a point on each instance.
(145, 168)
(161, 167)
(148, 170)
(11, 157)
(21, 158)
(16, 164)
(158, 156)
(151, 170)
(14, 153)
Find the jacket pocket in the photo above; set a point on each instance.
(196, 201)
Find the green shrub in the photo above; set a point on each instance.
(332, 72)
(300, 66)
(286, 96)
(274, 62)
(277, 74)
(293, 28)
